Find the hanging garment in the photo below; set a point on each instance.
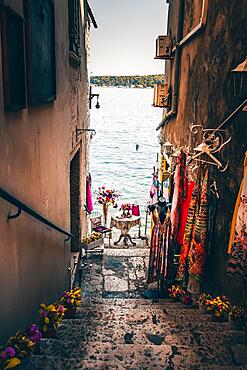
(198, 250)
(179, 198)
(238, 239)
(193, 211)
(184, 211)
(89, 199)
(193, 254)
(159, 258)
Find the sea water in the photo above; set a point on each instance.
(126, 119)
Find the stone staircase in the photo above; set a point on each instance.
(141, 334)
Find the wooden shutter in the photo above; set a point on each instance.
(40, 46)
(74, 32)
(13, 59)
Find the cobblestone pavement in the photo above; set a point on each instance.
(116, 328)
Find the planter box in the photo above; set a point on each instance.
(93, 245)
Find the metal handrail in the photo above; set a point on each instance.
(23, 207)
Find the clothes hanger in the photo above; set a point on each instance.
(203, 148)
(213, 188)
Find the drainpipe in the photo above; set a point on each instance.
(177, 48)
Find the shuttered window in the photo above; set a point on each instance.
(74, 32)
(13, 59)
(40, 41)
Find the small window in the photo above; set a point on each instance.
(74, 32)
(40, 47)
(13, 59)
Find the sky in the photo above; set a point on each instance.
(124, 43)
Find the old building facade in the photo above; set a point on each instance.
(208, 40)
(43, 153)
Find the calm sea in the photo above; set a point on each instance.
(125, 118)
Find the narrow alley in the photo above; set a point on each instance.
(116, 328)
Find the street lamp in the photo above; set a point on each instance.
(91, 96)
(240, 79)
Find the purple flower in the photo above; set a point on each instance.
(68, 300)
(32, 329)
(35, 337)
(61, 309)
(3, 355)
(43, 314)
(10, 351)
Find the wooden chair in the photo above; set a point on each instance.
(96, 225)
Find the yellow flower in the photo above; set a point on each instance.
(13, 362)
(44, 328)
(47, 320)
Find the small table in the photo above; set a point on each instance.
(124, 224)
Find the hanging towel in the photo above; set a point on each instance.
(89, 199)
(238, 238)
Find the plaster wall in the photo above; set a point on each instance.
(206, 97)
(36, 147)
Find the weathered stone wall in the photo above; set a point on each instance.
(37, 145)
(206, 97)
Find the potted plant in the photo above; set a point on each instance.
(8, 358)
(92, 241)
(176, 292)
(50, 317)
(107, 197)
(33, 333)
(126, 207)
(70, 300)
(219, 307)
(187, 299)
(19, 349)
(236, 318)
(203, 299)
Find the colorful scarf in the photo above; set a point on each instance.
(238, 238)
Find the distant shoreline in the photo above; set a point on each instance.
(137, 82)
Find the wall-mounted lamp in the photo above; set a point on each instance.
(91, 96)
(240, 79)
(168, 148)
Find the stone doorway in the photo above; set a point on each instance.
(75, 201)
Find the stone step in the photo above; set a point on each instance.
(130, 302)
(138, 357)
(172, 333)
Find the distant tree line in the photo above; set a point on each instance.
(127, 81)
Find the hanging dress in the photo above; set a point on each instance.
(194, 249)
(159, 250)
(237, 264)
(89, 199)
(179, 199)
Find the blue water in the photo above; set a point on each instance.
(126, 118)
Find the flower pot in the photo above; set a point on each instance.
(25, 364)
(219, 319)
(50, 333)
(37, 348)
(105, 213)
(236, 325)
(203, 308)
(70, 313)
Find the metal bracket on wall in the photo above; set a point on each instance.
(17, 214)
(79, 131)
(67, 239)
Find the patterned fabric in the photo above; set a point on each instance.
(194, 249)
(179, 199)
(159, 260)
(198, 250)
(238, 260)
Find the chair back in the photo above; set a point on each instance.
(95, 219)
